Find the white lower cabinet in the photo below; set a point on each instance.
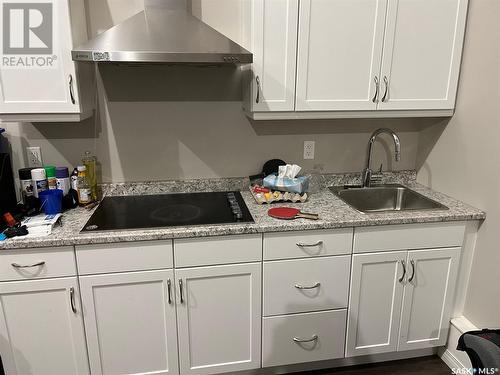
(428, 297)
(375, 303)
(41, 327)
(302, 338)
(400, 300)
(130, 322)
(219, 318)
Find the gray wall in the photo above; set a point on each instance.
(156, 123)
(462, 158)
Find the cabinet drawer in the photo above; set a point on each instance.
(408, 237)
(122, 257)
(326, 283)
(278, 333)
(307, 244)
(191, 252)
(37, 264)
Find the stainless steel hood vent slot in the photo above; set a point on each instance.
(165, 32)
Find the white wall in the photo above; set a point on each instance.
(161, 122)
(462, 158)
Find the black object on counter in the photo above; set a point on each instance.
(270, 167)
(8, 200)
(168, 210)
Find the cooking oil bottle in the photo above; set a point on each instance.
(90, 163)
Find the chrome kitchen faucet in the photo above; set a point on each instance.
(366, 176)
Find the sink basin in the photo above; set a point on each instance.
(381, 198)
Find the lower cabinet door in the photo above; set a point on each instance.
(130, 323)
(219, 318)
(428, 298)
(41, 328)
(375, 303)
(298, 338)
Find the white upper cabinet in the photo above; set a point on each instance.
(274, 45)
(422, 53)
(38, 79)
(428, 298)
(355, 58)
(219, 318)
(339, 52)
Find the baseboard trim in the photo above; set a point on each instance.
(451, 361)
(453, 358)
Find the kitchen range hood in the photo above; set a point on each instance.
(165, 32)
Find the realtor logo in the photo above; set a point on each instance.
(28, 40)
(27, 28)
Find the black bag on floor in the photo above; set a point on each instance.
(483, 349)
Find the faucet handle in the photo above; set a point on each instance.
(376, 178)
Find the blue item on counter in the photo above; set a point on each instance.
(51, 201)
(3, 237)
(293, 185)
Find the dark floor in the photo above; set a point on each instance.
(424, 365)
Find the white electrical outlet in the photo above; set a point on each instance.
(309, 149)
(34, 157)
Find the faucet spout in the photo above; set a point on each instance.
(367, 172)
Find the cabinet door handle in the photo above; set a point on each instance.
(386, 93)
(17, 265)
(412, 271)
(403, 263)
(317, 285)
(257, 97)
(377, 88)
(302, 244)
(72, 299)
(71, 93)
(181, 291)
(169, 291)
(299, 340)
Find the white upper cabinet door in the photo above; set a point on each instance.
(428, 298)
(422, 53)
(219, 318)
(375, 303)
(274, 47)
(41, 328)
(37, 74)
(339, 54)
(130, 323)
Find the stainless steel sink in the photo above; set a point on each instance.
(381, 198)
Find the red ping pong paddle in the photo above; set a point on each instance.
(288, 213)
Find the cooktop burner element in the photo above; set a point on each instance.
(168, 210)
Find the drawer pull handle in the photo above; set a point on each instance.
(302, 244)
(72, 299)
(16, 265)
(181, 291)
(317, 285)
(169, 290)
(412, 271)
(386, 93)
(299, 340)
(403, 263)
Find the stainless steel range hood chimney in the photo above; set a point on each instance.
(165, 32)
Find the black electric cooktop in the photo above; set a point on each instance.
(168, 210)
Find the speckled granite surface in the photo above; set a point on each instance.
(334, 213)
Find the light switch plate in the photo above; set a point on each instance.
(309, 149)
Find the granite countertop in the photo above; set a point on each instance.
(333, 212)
